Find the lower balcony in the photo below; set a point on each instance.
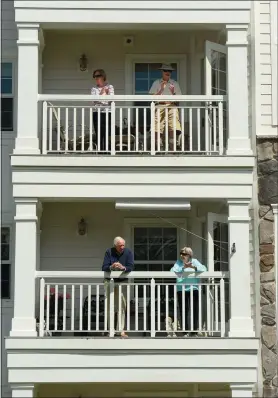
(134, 124)
(144, 305)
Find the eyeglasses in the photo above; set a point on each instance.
(97, 76)
(184, 254)
(167, 71)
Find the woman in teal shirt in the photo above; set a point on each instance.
(186, 263)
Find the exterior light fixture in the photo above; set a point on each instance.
(83, 63)
(82, 227)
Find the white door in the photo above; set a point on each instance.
(218, 260)
(215, 84)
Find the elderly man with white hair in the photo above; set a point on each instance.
(118, 258)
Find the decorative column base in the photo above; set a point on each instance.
(26, 146)
(241, 390)
(241, 327)
(22, 391)
(23, 327)
(239, 147)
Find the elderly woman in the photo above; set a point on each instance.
(186, 263)
(101, 118)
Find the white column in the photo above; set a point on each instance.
(27, 141)
(24, 323)
(237, 83)
(241, 390)
(241, 323)
(22, 390)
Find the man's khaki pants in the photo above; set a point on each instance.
(120, 316)
(162, 113)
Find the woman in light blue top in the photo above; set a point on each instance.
(186, 263)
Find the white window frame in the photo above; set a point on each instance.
(12, 95)
(274, 63)
(8, 262)
(132, 59)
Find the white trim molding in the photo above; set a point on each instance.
(22, 390)
(274, 63)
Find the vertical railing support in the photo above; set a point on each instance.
(41, 322)
(111, 308)
(153, 308)
(220, 127)
(44, 128)
(152, 128)
(222, 307)
(113, 121)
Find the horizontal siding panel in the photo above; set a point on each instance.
(265, 49)
(264, 7)
(266, 110)
(265, 17)
(266, 120)
(266, 89)
(265, 28)
(265, 79)
(265, 69)
(265, 59)
(266, 99)
(265, 38)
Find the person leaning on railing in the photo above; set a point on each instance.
(101, 87)
(166, 86)
(118, 258)
(186, 263)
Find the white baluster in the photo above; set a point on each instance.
(175, 132)
(145, 129)
(216, 306)
(207, 129)
(158, 307)
(167, 306)
(120, 308)
(72, 306)
(97, 309)
(199, 129)
(64, 306)
(47, 306)
(98, 129)
(56, 308)
(82, 128)
(182, 129)
(214, 118)
(175, 308)
(67, 129)
(74, 129)
(44, 128)
(58, 129)
(153, 128)
(145, 306)
(222, 307)
(183, 308)
(128, 307)
(208, 307)
(190, 130)
(191, 309)
(91, 129)
(153, 308)
(136, 129)
(128, 129)
(113, 125)
(42, 289)
(112, 308)
(220, 127)
(80, 306)
(136, 308)
(89, 306)
(166, 110)
(121, 129)
(50, 127)
(106, 129)
(200, 307)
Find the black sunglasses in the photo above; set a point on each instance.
(166, 70)
(97, 76)
(184, 254)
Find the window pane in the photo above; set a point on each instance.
(5, 281)
(155, 252)
(140, 235)
(5, 244)
(141, 85)
(7, 114)
(147, 73)
(155, 235)
(140, 252)
(6, 69)
(170, 252)
(6, 86)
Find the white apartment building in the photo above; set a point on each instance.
(211, 186)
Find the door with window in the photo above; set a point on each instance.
(145, 73)
(216, 84)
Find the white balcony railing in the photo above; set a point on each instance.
(138, 124)
(152, 304)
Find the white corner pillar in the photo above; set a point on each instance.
(241, 323)
(24, 322)
(239, 142)
(241, 390)
(27, 141)
(22, 390)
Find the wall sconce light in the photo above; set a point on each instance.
(83, 63)
(82, 227)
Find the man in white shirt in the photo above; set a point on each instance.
(166, 86)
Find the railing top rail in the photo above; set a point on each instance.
(130, 275)
(137, 98)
